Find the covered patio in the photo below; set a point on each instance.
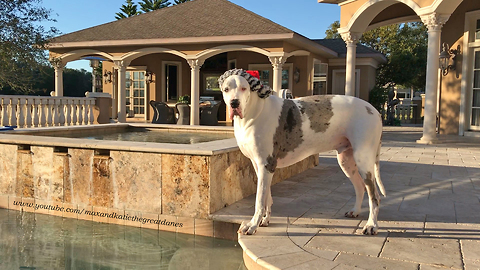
(158, 56)
(451, 106)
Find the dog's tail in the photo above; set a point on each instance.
(377, 171)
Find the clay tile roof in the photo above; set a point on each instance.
(197, 18)
(339, 46)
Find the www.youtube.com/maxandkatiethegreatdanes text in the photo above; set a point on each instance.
(97, 214)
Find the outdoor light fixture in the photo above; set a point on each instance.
(444, 58)
(296, 75)
(107, 75)
(148, 77)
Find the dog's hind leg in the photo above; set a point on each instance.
(366, 165)
(349, 167)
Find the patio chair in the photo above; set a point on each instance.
(209, 115)
(183, 110)
(162, 114)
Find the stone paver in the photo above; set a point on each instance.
(429, 220)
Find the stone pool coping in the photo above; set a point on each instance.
(22, 136)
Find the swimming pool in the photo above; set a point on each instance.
(36, 241)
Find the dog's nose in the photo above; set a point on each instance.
(234, 103)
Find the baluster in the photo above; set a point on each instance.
(5, 103)
(21, 112)
(36, 112)
(50, 111)
(90, 111)
(80, 112)
(85, 111)
(28, 109)
(43, 112)
(13, 111)
(56, 112)
(74, 112)
(61, 111)
(68, 111)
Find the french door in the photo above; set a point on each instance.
(135, 93)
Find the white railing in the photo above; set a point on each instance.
(43, 111)
(405, 113)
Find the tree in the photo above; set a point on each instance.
(23, 42)
(404, 46)
(332, 31)
(180, 1)
(151, 5)
(128, 10)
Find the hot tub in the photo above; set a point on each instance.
(166, 186)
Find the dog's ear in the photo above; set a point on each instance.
(255, 84)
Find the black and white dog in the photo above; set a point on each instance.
(274, 133)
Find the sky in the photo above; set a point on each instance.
(306, 17)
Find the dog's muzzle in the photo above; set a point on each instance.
(235, 109)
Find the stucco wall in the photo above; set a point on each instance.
(450, 95)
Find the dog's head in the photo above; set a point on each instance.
(237, 86)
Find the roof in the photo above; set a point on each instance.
(339, 46)
(197, 18)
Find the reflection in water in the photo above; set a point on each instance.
(29, 241)
(157, 136)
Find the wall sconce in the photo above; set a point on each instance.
(444, 58)
(148, 77)
(296, 75)
(107, 75)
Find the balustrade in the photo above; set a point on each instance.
(33, 111)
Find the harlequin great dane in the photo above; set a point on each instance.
(274, 133)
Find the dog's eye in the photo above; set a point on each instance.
(244, 88)
(225, 90)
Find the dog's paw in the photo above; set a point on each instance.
(265, 220)
(370, 229)
(351, 214)
(247, 229)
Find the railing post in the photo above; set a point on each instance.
(74, 112)
(61, 110)
(85, 111)
(43, 112)
(29, 107)
(5, 104)
(36, 112)
(79, 112)
(68, 110)
(90, 111)
(50, 111)
(13, 112)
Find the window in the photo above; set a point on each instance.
(210, 82)
(266, 74)
(475, 121)
(477, 31)
(319, 78)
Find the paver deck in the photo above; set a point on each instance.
(430, 218)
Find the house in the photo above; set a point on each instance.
(452, 92)
(183, 49)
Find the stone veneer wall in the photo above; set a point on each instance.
(179, 188)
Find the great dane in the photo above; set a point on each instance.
(274, 133)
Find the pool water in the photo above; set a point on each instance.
(156, 136)
(36, 241)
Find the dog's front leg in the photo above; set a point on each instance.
(263, 190)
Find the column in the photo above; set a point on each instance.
(195, 65)
(277, 63)
(351, 40)
(58, 66)
(121, 66)
(434, 23)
